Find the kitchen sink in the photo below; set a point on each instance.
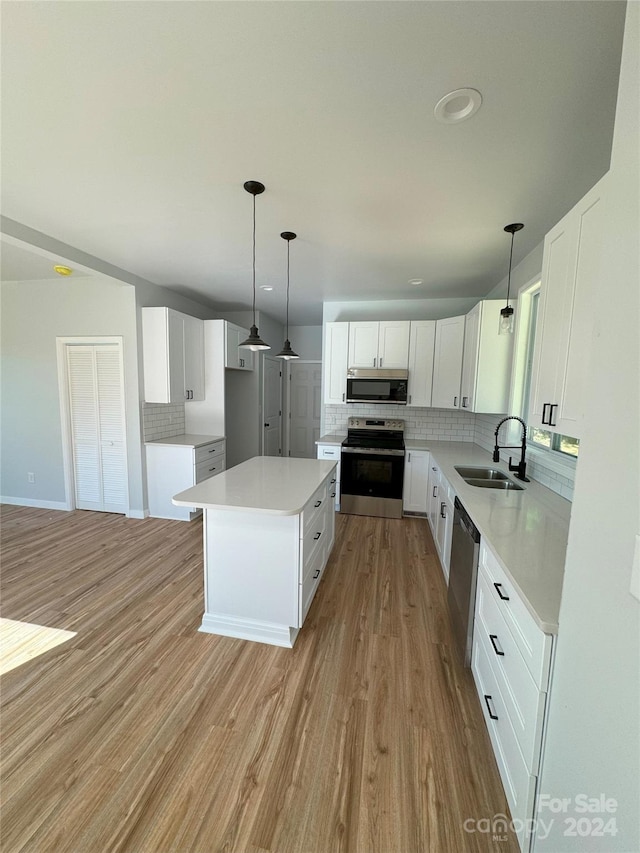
(493, 484)
(481, 473)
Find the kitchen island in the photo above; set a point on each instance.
(268, 531)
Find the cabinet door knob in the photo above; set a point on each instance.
(493, 638)
(317, 536)
(498, 587)
(491, 714)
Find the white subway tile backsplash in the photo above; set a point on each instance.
(161, 420)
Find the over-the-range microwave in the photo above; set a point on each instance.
(365, 385)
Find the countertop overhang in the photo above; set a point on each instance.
(263, 484)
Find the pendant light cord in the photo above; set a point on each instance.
(287, 335)
(509, 279)
(254, 259)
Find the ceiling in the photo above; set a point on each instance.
(21, 264)
(130, 128)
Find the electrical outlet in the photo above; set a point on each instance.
(31, 477)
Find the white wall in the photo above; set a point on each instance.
(34, 313)
(593, 742)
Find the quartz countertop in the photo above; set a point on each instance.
(526, 530)
(186, 439)
(417, 444)
(263, 484)
(332, 438)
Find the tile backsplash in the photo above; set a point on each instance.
(436, 424)
(160, 420)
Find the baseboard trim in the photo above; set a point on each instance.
(138, 513)
(34, 502)
(249, 629)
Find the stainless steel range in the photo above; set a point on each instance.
(372, 468)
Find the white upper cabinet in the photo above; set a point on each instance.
(173, 355)
(571, 276)
(384, 344)
(336, 345)
(421, 349)
(447, 364)
(237, 359)
(486, 363)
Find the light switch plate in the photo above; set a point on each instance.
(634, 589)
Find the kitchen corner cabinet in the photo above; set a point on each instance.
(511, 665)
(384, 344)
(416, 476)
(173, 468)
(173, 356)
(486, 361)
(235, 358)
(571, 277)
(334, 363)
(422, 337)
(447, 363)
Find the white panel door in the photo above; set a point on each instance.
(272, 407)
(96, 409)
(393, 344)
(304, 408)
(363, 345)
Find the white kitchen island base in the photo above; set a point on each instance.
(269, 528)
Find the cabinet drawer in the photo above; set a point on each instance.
(519, 785)
(534, 644)
(524, 701)
(309, 582)
(209, 468)
(314, 506)
(315, 536)
(209, 451)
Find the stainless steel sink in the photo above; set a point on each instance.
(481, 473)
(493, 484)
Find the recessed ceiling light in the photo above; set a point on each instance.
(416, 282)
(62, 270)
(266, 287)
(458, 105)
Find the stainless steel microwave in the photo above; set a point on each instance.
(365, 385)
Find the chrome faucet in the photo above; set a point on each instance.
(521, 467)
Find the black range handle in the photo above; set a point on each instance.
(493, 638)
(498, 587)
(491, 714)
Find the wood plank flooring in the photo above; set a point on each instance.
(142, 735)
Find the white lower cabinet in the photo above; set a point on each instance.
(174, 468)
(440, 508)
(331, 452)
(416, 477)
(511, 662)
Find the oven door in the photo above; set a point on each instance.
(371, 482)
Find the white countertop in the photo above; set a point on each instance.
(332, 438)
(419, 444)
(527, 530)
(265, 484)
(186, 439)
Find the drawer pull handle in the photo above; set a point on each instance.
(214, 450)
(544, 413)
(493, 638)
(552, 406)
(333, 481)
(317, 504)
(498, 587)
(317, 536)
(317, 574)
(491, 714)
(442, 510)
(212, 469)
(333, 494)
(435, 491)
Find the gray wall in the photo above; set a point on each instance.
(307, 341)
(397, 309)
(593, 742)
(523, 273)
(33, 315)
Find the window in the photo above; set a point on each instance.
(542, 439)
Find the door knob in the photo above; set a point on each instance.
(266, 425)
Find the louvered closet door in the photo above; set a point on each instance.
(96, 403)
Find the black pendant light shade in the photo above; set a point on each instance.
(254, 342)
(286, 352)
(506, 313)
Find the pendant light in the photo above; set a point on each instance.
(286, 352)
(254, 342)
(506, 313)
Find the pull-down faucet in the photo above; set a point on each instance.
(521, 467)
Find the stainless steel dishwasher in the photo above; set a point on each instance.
(463, 575)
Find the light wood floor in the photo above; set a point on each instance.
(142, 735)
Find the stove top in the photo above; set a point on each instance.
(375, 433)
